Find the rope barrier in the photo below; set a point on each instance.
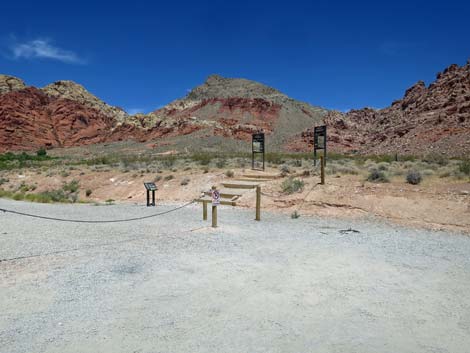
(91, 246)
(95, 221)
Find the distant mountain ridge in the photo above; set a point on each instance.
(222, 113)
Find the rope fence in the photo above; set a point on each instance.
(95, 221)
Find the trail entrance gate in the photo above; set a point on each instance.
(257, 148)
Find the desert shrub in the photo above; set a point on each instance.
(157, 178)
(221, 163)
(296, 163)
(88, 192)
(291, 185)
(295, 215)
(64, 174)
(274, 158)
(284, 169)
(109, 201)
(202, 158)
(229, 173)
(464, 167)
(377, 176)
(435, 158)
(206, 170)
(169, 177)
(72, 186)
(383, 166)
(346, 169)
(427, 172)
(185, 181)
(306, 173)
(41, 152)
(4, 180)
(413, 177)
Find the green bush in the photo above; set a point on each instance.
(377, 176)
(464, 167)
(294, 215)
(41, 152)
(435, 158)
(71, 187)
(291, 185)
(413, 177)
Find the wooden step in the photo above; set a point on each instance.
(255, 180)
(261, 176)
(239, 184)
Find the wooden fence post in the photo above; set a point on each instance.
(258, 203)
(204, 211)
(322, 167)
(214, 216)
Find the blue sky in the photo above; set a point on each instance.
(141, 55)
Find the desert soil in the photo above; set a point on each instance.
(434, 204)
(173, 284)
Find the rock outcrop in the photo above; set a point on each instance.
(10, 84)
(75, 92)
(433, 119)
(30, 119)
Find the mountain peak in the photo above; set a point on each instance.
(10, 84)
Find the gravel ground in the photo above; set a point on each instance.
(173, 284)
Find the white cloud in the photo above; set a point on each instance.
(42, 48)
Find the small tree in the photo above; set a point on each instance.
(41, 152)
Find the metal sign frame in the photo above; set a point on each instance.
(150, 187)
(215, 197)
(319, 132)
(257, 147)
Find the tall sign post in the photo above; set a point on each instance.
(257, 147)
(319, 142)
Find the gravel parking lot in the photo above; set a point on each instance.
(173, 284)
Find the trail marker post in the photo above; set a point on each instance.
(257, 147)
(150, 187)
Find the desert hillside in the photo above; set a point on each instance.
(222, 113)
(428, 119)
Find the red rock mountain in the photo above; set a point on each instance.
(428, 119)
(222, 113)
(30, 119)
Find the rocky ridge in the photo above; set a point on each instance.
(428, 119)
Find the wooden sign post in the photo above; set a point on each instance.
(319, 142)
(257, 147)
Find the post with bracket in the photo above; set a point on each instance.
(258, 203)
(215, 202)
